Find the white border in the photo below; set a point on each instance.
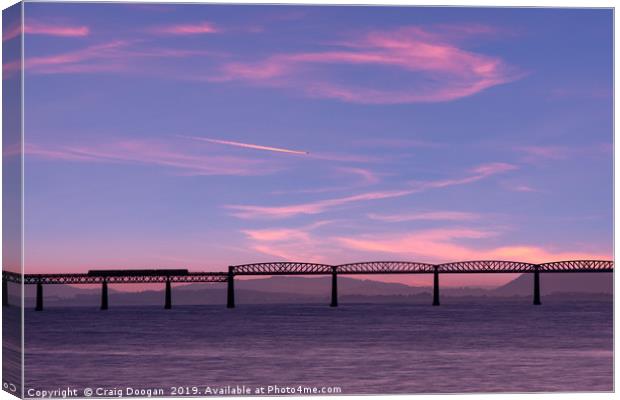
(477, 3)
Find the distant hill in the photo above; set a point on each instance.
(554, 283)
(294, 289)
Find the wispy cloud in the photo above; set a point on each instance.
(196, 28)
(289, 244)
(539, 153)
(426, 216)
(544, 152)
(521, 188)
(179, 160)
(398, 143)
(36, 27)
(317, 207)
(111, 56)
(247, 145)
(438, 69)
(346, 157)
(367, 176)
(248, 211)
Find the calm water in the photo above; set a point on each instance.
(493, 347)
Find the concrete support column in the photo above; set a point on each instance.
(537, 287)
(334, 302)
(104, 295)
(436, 287)
(230, 301)
(39, 306)
(5, 293)
(168, 304)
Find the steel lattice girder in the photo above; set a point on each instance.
(73, 279)
(383, 267)
(578, 266)
(486, 266)
(282, 268)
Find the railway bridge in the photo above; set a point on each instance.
(169, 276)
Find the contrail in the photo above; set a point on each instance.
(247, 145)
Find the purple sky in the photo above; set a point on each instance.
(200, 136)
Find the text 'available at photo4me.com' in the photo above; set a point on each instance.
(184, 391)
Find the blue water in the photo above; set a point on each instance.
(491, 347)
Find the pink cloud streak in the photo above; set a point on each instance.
(545, 152)
(111, 56)
(368, 177)
(289, 243)
(41, 28)
(426, 216)
(317, 207)
(153, 153)
(446, 71)
(34, 27)
(199, 28)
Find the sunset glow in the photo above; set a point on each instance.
(202, 137)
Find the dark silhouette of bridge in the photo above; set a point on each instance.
(169, 276)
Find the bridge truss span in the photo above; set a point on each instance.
(282, 268)
(577, 266)
(13, 277)
(85, 279)
(385, 267)
(490, 266)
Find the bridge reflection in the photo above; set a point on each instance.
(169, 276)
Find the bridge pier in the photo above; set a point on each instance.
(5, 293)
(334, 302)
(104, 295)
(436, 286)
(536, 287)
(230, 301)
(168, 304)
(39, 306)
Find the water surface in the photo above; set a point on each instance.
(361, 348)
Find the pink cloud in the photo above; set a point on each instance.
(541, 153)
(198, 28)
(59, 62)
(112, 56)
(11, 150)
(11, 32)
(478, 173)
(522, 188)
(35, 27)
(398, 143)
(342, 157)
(426, 216)
(180, 160)
(438, 69)
(445, 245)
(289, 244)
(545, 152)
(317, 207)
(243, 211)
(9, 68)
(41, 28)
(367, 176)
